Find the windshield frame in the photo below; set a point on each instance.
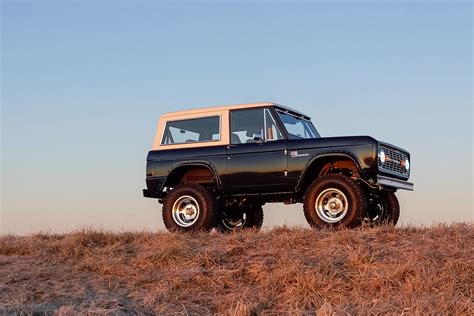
(307, 124)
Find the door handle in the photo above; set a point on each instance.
(231, 146)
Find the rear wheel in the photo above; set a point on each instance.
(189, 207)
(382, 207)
(334, 201)
(237, 218)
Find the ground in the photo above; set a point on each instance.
(282, 270)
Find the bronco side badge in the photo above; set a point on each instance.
(295, 154)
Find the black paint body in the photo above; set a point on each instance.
(270, 170)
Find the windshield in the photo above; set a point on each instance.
(298, 127)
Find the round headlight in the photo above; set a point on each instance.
(407, 164)
(382, 156)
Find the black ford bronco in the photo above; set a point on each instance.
(216, 167)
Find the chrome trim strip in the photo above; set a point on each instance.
(394, 183)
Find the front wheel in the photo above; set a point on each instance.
(334, 201)
(189, 207)
(239, 218)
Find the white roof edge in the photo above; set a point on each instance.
(230, 107)
(218, 108)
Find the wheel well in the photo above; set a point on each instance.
(190, 174)
(329, 165)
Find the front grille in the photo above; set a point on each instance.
(394, 162)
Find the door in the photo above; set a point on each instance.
(256, 160)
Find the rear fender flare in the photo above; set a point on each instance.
(194, 163)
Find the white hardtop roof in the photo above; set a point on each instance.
(230, 107)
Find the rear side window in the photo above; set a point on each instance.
(204, 129)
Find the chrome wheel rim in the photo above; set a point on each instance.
(232, 223)
(331, 205)
(185, 211)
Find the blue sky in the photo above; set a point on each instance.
(83, 84)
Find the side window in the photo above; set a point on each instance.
(271, 128)
(251, 123)
(193, 130)
(245, 125)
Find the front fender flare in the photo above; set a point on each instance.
(340, 154)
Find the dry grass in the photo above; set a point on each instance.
(369, 271)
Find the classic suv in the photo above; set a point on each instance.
(217, 167)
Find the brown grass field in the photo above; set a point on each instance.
(380, 270)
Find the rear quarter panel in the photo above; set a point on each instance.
(161, 162)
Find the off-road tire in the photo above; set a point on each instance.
(382, 208)
(208, 215)
(355, 200)
(254, 219)
(393, 209)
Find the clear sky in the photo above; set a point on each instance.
(84, 82)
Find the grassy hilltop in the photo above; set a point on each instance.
(283, 270)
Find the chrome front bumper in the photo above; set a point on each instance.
(392, 183)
